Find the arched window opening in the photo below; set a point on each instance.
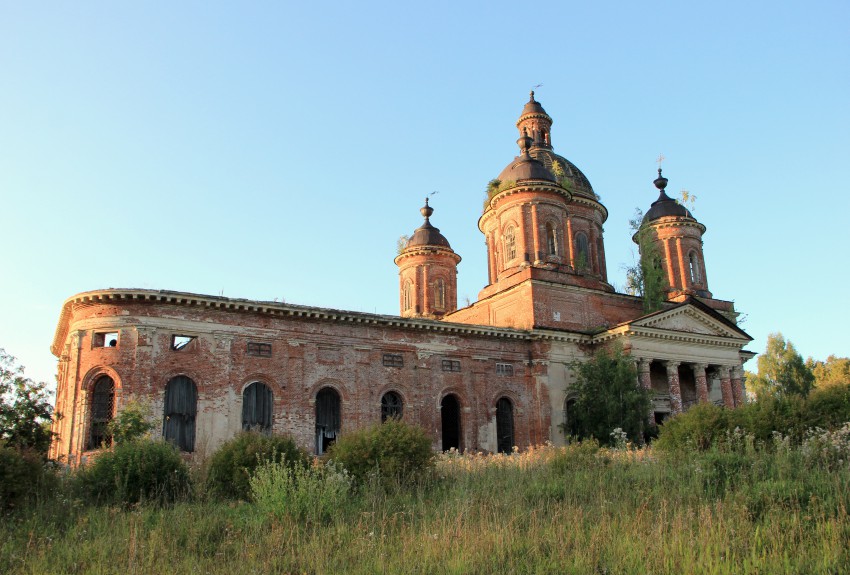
(450, 422)
(510, 244)
(407, 295)
(102, 407)
(582, 251)
(440, 294)
(504, 425)
(257, 405)
(391, 406)
(179, 412)
(693, 263)
(551, 240)
(327, 418)
(570, 420)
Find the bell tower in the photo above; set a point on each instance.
(678, 237)
(427, 272)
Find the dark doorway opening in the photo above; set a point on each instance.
(450, 419)
(505, 425)
(257, 403)
(327, 418)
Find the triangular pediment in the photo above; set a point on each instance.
(688, 319)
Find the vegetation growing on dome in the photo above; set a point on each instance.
(494, 187)
(401, 243)
(646, 277)
(561, 175)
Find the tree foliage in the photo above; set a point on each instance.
(25, 408)
(781, 371)
(646, 277)
(608, 397)
(833, 371)
(134, 421)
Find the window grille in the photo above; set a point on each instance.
(451, 365)
(504, 369)
(259, 349)
(393, 360)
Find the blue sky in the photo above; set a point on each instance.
(278, 150)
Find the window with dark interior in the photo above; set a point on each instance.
(504, 425)
(102, 406)
(259, 349)
(450, 422)
(257, 405)
(328, 418)
(551, 244)
(439, 294)
(391, 406)
(393, 360)
(582, 251)
(179, 411)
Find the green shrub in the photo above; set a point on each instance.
(229, 469)
(576, 456)
(828, 407)
(21, 474)
(393, 450)
(133, 422)
(134, 472)
(698, 428)
(306, 493)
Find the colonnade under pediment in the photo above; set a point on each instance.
(689, 383)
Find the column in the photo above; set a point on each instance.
(491, 267)
(675, 390)
(570, 242)
(737, 386)
(726, 386)
(426, 301)
(683, 272)
(645, 381)
(535, 231)
(670, 277)
(701, 382)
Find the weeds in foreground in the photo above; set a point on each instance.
(734, 508)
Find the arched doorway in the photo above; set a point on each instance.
(327, 418)
(102, 407)
(179, 411)
(450, 420)
(257, 405)
(504, 425)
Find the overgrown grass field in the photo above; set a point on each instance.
(730, 509)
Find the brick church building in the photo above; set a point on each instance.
(489, 376)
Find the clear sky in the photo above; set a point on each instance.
(278, 150)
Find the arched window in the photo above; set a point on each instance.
(406, 295)
(693, 263)
(510, 244)
(102, 405)
(257, 408)
(328, 418)
(504, 425)
(179, 411)
(391, 406)
(450, 422)
(582, 251)
(440, 294)
(551, 244)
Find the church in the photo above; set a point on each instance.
(490, 376)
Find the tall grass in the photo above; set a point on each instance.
(580, 509)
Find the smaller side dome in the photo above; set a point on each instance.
(665, 206)
(426, 234)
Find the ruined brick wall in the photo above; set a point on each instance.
(310, 350)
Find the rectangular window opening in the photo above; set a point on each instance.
(179, 342)
(393, 360)
(451, 365)
(259, 349)
(105, 339)
(504, 369)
